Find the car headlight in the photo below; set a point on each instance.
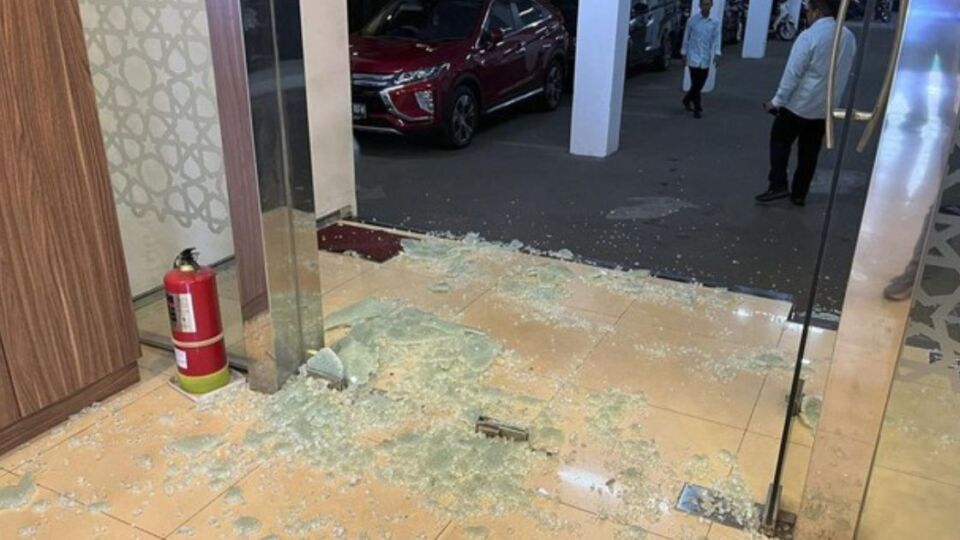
(421, 74)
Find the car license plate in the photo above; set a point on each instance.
(359, 111)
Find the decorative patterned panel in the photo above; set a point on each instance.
(935, 313)
(152, 71)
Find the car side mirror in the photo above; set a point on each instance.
(496, 36)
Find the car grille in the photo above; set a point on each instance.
(372, 80)
(366, 89)
(370, 97)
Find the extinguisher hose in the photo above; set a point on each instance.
(197, 344)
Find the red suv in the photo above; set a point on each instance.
(436, 65)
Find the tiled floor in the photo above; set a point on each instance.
(648, 387)
(915, 483)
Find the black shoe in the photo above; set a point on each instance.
(698, 114)
(798, 201)
(687, 105)
(771, 195)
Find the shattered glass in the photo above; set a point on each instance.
(419, 382)
(18, 495)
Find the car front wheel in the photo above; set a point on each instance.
(462, 119)
(553, 86)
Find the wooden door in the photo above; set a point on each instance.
(9, 412)
(66, 318)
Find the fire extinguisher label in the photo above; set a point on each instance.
(182, 317)
(181, 357)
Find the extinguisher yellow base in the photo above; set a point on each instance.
(206, 383)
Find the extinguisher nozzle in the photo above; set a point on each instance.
(187, 260)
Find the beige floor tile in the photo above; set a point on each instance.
(819, 342)
(914, 366)
(543, 348)
(837, 475)
(547, 520)
(130, 461)
(903, 506)
(855, 393)
(694, 375)
(628, 461)
(336, 269)
(519, 409)
(98, 412)
(295, 501)
(921, 433)
(519, 378)
(732, 317)
(769, 413)
(757, 460)
(48, 516)
(583, 292)
(407, 287)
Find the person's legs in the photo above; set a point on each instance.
(811, 134)
(698, 78)
(782, 135)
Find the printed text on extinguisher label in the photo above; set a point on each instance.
(182, 317)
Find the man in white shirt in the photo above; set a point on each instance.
(801, 101)
(701, 49)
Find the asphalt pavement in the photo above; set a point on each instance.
(677, 197)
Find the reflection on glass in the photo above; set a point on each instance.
(914, 469)
(280, 340)
(153, 78)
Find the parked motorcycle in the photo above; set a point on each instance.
(782, 24)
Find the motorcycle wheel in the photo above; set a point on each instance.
(786, 31)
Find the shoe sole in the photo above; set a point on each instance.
(775, 199)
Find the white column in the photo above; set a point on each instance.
(716, 13)
(758, 25)
(598, 84)
(326, 58)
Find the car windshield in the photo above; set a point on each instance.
(426, 20)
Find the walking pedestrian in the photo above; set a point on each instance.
(701, 50)
(800, 102)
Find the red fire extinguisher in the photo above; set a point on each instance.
(195, 322)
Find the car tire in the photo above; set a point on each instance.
(553, 82)
(461, 119)
(664, 59)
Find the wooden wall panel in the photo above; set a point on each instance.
(66, 316)
(9, 412)
(233, 102)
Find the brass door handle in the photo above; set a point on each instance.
(874, 117)
(832, 71)
(858, 115)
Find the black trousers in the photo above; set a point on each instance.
(787, 128)
(698, 78)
